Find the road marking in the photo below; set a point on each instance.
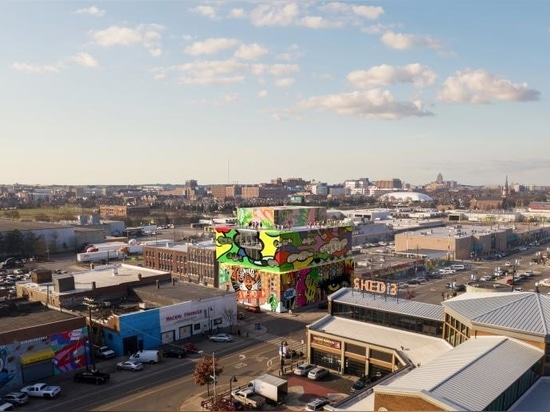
(239, 365)
(242, 357)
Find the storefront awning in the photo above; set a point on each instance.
(37, 356)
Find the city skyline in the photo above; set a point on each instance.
(128, 93)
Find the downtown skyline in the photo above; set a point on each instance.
(126, 93)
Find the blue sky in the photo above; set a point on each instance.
(135, 92)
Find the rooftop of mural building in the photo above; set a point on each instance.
(282, 217)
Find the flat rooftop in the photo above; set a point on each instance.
(30, 314)
(169, 293)
(7, 225)
(103, 276)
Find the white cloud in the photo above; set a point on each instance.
(370, 12)
(29, 68)
(210, 46)
(402, 41)
(284, 82)
(237, 13)
(85, 59)
(147, 36)
(378, 28)
(369, 104)
(262, 93)
(92, 11)
(386, 75)
(479, 86)
(274, 14)
(207, 11)
(318, 22)
(275, 69)
(250, 51)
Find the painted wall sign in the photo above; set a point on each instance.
(319, 340)
(375, 286)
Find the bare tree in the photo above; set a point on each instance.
(230, 315)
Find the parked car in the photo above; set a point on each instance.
(175, 353)
(104, 352)
(303, 369)
(360, 383)
(318, 373)
(221, 337)
(460, 288)
(95, 377)
(190, 347)
(317, 404)
(42, 390)
(16, 398)
(130, 365)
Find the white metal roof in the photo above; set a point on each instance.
(388, 304)
(418, 348)
(519, 311)
(466, 376)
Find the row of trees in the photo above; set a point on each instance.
(24, 244)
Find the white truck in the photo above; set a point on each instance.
(272, 388)
(41, 390)
(102, 255)
(249, 398)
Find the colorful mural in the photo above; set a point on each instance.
(67, 351)
(290, 289)
(276, 251)
(280, 217)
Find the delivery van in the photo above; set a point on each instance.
(147, 356)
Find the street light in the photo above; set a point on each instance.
(233, 379)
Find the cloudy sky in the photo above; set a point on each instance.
(132, 92)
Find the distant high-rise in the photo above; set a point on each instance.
(439, 178)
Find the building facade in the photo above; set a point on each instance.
(283, 257)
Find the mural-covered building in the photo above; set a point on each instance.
(283, 257)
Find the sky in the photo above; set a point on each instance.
(224, 92)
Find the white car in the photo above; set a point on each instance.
(545, 282)
(221, 337)
(303, 369)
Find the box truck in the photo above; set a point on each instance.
(272, 388)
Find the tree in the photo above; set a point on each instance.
(204, 371)
(230, 315)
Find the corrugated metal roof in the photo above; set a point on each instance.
(465, 376)
(418, 348)
(388, 304)
(521, 311)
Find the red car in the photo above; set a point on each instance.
(190, 347)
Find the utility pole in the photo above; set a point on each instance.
(90, 302)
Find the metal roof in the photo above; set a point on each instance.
(465, 376)
(519, 311)
(388, 304)
(417, 348)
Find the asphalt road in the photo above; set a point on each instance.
(169, 385)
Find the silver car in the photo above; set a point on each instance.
(303, 369)
(130, 365)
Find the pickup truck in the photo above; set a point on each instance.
(249, 398)
(42, 390)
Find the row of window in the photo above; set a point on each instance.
(389, 319)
